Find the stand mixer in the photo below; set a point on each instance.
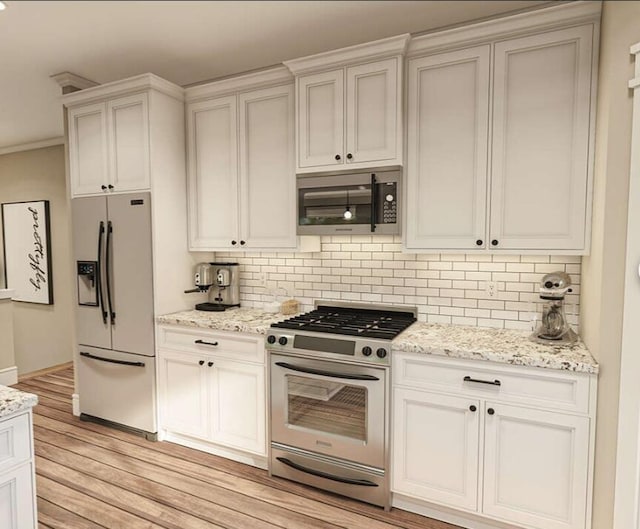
(554, 327)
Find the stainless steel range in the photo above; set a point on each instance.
(329, 372)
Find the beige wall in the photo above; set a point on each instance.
(603, 271)
(42, 333)
(7, 356)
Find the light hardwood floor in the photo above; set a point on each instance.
(90, 477)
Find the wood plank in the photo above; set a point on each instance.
(57, 368)
(39, 391)
(157, 513)
(67, 451)
(36, 384)
(55, 517)
(57, 381)
(88, 507)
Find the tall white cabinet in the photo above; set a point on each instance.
(241, 172)
(499, 136)
(349, 107)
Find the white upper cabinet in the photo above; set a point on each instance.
(498, 153)
(241, 168)
(541, 103)
(447, 150)
(109, 146)
(349, 107)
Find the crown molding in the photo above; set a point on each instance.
(547, 18)
(146, 81)
(370, 51)
(30, 146)
(250, 81)
(65, 79)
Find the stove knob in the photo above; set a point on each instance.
(381, 353)
(282, 340)
(271, 338)
(366, 350)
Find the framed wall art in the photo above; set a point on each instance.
(26, 237)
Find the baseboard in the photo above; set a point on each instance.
(75, 404)
(228, 453)
(445, 514)
(9, 376)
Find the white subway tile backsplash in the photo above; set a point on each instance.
(446, 288)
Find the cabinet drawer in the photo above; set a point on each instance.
(227, 344)
(539, 387)
(15, 441)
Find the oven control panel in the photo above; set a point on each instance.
(328, 346)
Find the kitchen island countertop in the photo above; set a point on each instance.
(13, 401)
(456, 341)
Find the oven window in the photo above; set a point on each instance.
(348, 205)
(327, 407)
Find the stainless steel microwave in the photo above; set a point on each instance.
(356, 203)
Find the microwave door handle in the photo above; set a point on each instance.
(374, 206)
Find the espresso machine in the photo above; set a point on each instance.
(554, 327)
(222, 281)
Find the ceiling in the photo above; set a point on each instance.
(185, 42)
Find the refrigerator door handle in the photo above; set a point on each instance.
(112, 360)
(108, 273)
(99, 276)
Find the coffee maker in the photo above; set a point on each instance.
(222, 281)
(554, 327)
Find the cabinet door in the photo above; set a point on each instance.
(267, 168)
(213, 173)
(182, 392)
(535, 467)
(238, 405)
(88, 149)
(17, 509)
(446, 180)
(128, 126)
(373, 126)
(435, 447)
(321, 120)
(542, 90)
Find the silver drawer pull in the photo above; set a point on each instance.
(202, 342)
(478, 381)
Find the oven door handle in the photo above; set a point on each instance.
(321, 372)
(320, 474)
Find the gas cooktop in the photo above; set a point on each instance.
(374, 323)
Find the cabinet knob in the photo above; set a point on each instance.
(201, 362)
(103, 187)
(349, 156)
(494, 242)
(338, 157)
(242, 243)
(491, 411)
(479, 242)
(210, 364)
(472, 408)
(234, 242)
(110, 186)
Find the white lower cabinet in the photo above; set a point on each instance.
(209, 400)
(17, 478)
(460, 442)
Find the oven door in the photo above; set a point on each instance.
(329, 408)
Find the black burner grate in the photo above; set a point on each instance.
(366, 323)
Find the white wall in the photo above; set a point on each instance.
(42, 333)
(603, 270)
(446, 288)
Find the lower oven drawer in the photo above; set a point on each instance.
(118, 387)
(369, 485)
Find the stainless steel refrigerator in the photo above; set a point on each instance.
(114, 310)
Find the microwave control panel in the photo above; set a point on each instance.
(389, 203)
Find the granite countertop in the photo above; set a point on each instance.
(495, 345)
(474, 343)
(238, 319)
(12, 401)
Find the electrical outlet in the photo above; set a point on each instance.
(262, 279)
(491, 288)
